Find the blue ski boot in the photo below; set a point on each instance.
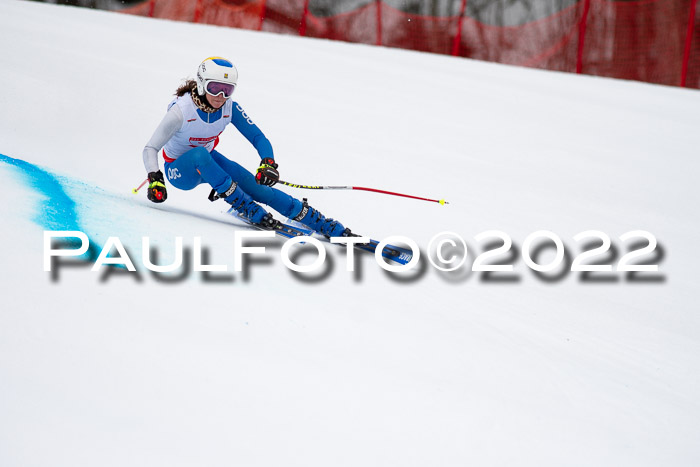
(244, 205)
(313, 219)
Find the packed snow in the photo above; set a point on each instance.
(266, 367)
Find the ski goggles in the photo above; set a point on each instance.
(214, 88)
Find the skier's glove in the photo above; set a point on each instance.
(267, 172)
(156, 187)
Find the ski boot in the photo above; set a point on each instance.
(326, 226)
(243, 204)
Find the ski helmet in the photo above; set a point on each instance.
(215, 70)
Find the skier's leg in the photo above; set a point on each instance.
(196, 166)
(276, 199)
(280, 201)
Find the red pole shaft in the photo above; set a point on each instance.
(197, 11)
(348, 187)
(302, 27)
(379, 22)
(458, 36)
(397, 194)
(136, 190)
(262, 15)
(582, 36)
(688, 42)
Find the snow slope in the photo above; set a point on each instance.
(265, 367)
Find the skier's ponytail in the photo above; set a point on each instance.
(189, 86)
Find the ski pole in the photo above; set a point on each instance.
(136, 190)
(319, 187)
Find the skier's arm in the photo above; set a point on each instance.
(252, 133)
(170, 124)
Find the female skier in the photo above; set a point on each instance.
(190, 131)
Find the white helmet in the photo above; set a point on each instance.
(216, 70)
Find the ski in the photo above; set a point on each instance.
(283, 230)
(394, 253)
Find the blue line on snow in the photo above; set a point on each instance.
(58, 213)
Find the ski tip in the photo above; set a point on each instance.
(443, 202)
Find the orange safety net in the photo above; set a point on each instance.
(550, 43)
(416, 32)
(245, 15)
(656, 41)
(692, 52)
(641, 40)
(283, 16)
(356, 26)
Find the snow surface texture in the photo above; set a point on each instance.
(269, 368)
